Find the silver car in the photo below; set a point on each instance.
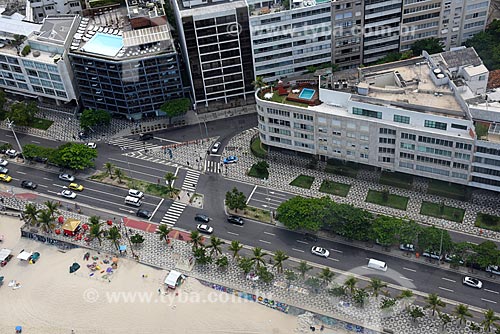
(320, 251)
(472, 282)
(68, 194)
(66, 177)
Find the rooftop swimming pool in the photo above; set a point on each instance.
(307, 94)
(104, 44)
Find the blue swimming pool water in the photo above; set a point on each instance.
(307, 94)
(104, 44)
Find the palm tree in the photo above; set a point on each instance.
(245, 264)
(350, 284)
(489, 319)
(45, 219)
(95, 229)
(258, 257)
(326, 275)
(169, 179)
(235, 247)
(416, 312)
(163, 231)
(31, 213)
(215, 246)
(94, 220)
(290, 276)
(115, 236)
(222, 262)
(376, 285)
(461, 311)
(119, 174)
(108, 166)
(434, 303)
(445, 318)
(259, 82)
(406, 295)
(52, 208)
(303, 268)
(279, 257)
(196, 240)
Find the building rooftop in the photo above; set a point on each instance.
(13, 24)
(57, 29)
(461, 56)
(199, 8)
(145, 8)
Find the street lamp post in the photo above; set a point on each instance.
(10, 125)
(123, 148)
(441, 243)
(199, 124)
(266, 181)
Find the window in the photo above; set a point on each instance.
(405, 165)
(364, 137)
(303, 126)
(463, 146)
(52, 68)
(408, 146)
(460, 166)
(322, 130)
(435, 141)
(364, 128)
(337, 133)
(367, 112)
(279, 122)
(405, 155)
(433, 160)
(351, 126)
(351, 135)
(387, 131)
(459, 175)
(280, 131)
(408, 136)
(302, 116)
(336, 123)
(462, 156)
(322, 120)
(304, 135)
(433, 150)
(387, 141)
(385, 159)
(363, 155)
(386, 150)
(435, 125)
(402, 119)
(278, 112)
(459, 126)
(433, 170)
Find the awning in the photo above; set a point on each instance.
(24, 255)
(71, 224)
(172, 279)
(4, 253)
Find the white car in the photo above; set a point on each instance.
(68, 194)
(11, 153)
(66, 177)
(320, 251)
(472, 282)
(204, 228)
(216, 147)
(3, 162)
(135, 193)
(4, 170)
(92, 145)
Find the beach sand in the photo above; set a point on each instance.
(51, 300)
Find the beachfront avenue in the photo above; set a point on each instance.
(107, 202)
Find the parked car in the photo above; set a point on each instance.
(320, 251)
(5, 178)
(202, 218)
(66, 177)
(144, 213)
(68, 194)
(83, 135)
(472, 282)
(216, 147)
(204, 228)
(453, 258)
(4, 170)
(11, 153)
(92, 145)
(231, 160)
(3, 162)
(432, 255)
(493, 269)
(235, 220)
(135, 193)
(310, 237)
(75, 186)
(146, 136)
(407, 247)
(40, 159)
(29, 185)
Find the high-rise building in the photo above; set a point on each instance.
(217, 51)
(38, 10)
(33, 57)
(419, 116)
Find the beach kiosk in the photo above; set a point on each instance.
(24, 255)
(71, 226)
(5, 256)
(173, 279)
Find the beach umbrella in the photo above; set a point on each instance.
(58, 231)
(60, 219)
(85, 227)
(19, 329)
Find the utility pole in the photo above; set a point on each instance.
(10, 125)
(441, 244)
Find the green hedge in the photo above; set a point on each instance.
(257, 148)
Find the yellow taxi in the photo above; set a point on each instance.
(75, 186)
(5, 178)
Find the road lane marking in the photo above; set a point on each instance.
(43, 185)
(336, 250)
(36, 142)
(251, 194)
(449, 280)
(156, 209)
(47, 179)
(269, 233)
(406, 278)
(21, 173)
(302, 242)
(298, 250)
(130, 211)
(412, 270)
(445, 289)
(229, 232)
(264, 241)
(489, 301)
(331, 258)
(495, 292)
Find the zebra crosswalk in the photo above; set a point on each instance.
(213, 166)
(173, 213)
(190, 180)
(131, 144)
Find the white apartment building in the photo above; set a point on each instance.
(38, 10)
(416, 116)
(45, 71)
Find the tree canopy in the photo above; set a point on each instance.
(22, 113)
(176, 107)
(487, 45)
(430, 239)
(303, 213)
(90, 118)
(385, 230)
(75, 156)
(236, 200)
(430, 45)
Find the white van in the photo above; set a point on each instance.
(376, 264)
(135, 193)
(133, 201)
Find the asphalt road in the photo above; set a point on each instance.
(105, 200)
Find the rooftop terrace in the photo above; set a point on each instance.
(258, 7)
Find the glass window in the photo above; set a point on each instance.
(52, 68)
(43, 75)
(28, 63)
(46, 83)
(39, 66)
(55, 77)
(367, 112)
(435, 125)
(58, 86)
(402, 119)
(35, 81)
(38, 89)
(22, 85)
(49, 91)
(61, 94)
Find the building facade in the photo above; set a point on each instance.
(43, 70)
(217, 52)
(416, 116)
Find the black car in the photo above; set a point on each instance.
(235, 220)
(40, 159)
(202, 218)
(144, 213)
(310, 237)
(146, 136)
(29, 185)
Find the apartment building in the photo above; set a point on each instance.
(36, 65)
(215, 41)
(417, 116)
(38, 10)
